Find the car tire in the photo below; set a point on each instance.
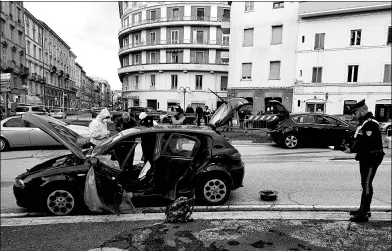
(213, 190)
(388, 128)
(61, 200)
(291, 141)
(4, 145)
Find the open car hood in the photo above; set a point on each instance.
(70, 139)
(279, 108)
(226, 111)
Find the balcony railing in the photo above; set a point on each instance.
(170, 42)
(192, 61)
(176, 19)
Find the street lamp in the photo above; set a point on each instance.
(184, 90)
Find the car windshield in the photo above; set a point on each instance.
(110, 140)
(56, 110)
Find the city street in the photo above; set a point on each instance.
(303, 177)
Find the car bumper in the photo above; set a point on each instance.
(237, 175)
(25, 197)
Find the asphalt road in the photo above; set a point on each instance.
(306, 176)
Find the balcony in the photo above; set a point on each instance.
(32, 76)
(38, 79)
(66, 76)
(60, 73)
(182, 43)
(219, 66)
(25, 71)
(172, 21)
(53, 69)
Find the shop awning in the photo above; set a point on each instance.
(33, 100)
(316, 101)
(383, 102)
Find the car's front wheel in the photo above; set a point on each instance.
(213, 190)
(3, 145)
(61, 200)
(291, 141)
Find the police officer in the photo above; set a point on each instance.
(368, 147)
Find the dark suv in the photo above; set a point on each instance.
(183, 161)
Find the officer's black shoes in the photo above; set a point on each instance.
(355, 212)
(359, 218)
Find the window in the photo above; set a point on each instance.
(152, 82)
(277, 34)
(199, 57)
(200, 13)
(174, 57)
(136, 18)
(20, 58)
(319, 41)
(246, 70)
(20, 38)
(12, 55)
(39, 37)
(136, 59)
(387, 73)
(389, 39)
(125, 61)
(226, 15)
(355, 37)
(39, 54)
(12, 32)
(199, 82)
(2, 28)
(274, 70)
(174, 36)
(153, 15)
(174, 82)
(175, 13)
(125, 41)
(248, 37)
(317, 74)
(199, 37)
(304, 119)
(223, 86)
(10, 9)
(352, 73)
(249, 6)
(303, 39)
(34, 51)
(153, 58)
(277, 5)
(28, 48)
(313, 107)
(17, 122)
(136, 82)
(224, 57)
(18, 15)
(225, 39)
(152, 37)
(136, 39)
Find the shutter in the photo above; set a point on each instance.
(322, 40)
(387, 73)
(314, 74)
(205, 37)
(350, 72)
(316, 41)
(246, 70)
(277, 34)
(319, 74)
(356, 73)
(248, 37)
(274, 70)
(194, 36)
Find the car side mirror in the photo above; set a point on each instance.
(93, 161)
(389, 133)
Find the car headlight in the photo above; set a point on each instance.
(19, 183)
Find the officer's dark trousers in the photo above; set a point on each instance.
(368, 169)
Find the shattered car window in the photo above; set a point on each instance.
(180, 147)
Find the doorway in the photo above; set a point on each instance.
(152, 103)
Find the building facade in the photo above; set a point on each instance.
(263, 52)
(13, 53)
(34, 59)
(105, 91)
(78, 84)
(173, 52)
(344, 56)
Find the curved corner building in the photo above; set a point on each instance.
(173, 52)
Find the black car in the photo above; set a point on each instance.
(298, 129)
(185, 160)
(349, 119)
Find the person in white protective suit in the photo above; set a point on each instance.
(99, 128)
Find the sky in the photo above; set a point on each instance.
(90, 29)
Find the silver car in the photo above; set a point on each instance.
(16, 132)
(58, 113)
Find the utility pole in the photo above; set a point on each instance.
(184, 90)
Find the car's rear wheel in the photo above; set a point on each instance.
(388, 128)
(4, 145)
(291, 141)
(213, 190)
(61, 200)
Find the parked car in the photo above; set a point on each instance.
(184, 159)
(33, 109)
(297, 129)
(136, 110)
(350, 119)
(58, 113)
(385, 126)
(16, 132)
(190, 118)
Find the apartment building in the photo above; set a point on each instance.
(343, 56)
(105, 90)
(263, 52)
(173, 52)
(13, 52)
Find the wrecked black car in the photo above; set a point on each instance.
(182, 160)
(299, 129)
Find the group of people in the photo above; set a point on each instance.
(178, 118)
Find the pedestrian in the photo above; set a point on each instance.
(189, 109)
(207, 114)
(98, 127)
(241, 118)
(178, 117)
(125, 122)
(199, 112)
(369, 152)
(146, 120)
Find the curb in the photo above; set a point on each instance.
(236, 208)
